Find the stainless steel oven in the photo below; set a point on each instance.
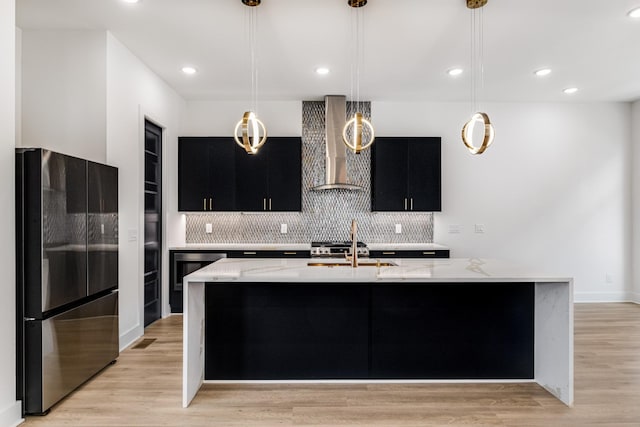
(183, 263)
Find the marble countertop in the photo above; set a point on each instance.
(306, 247)
(245, 246)
(410, 270)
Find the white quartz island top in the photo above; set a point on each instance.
(299, 270)
(553, 303)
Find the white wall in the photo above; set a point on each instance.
(133, 93)
(635, 252)
(64, 92)
(10, 409)
(553, 190)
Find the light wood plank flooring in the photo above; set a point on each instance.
(144, 389)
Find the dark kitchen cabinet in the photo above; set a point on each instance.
(437, 253)
(271, 179)
(406, 174)
(206, 174)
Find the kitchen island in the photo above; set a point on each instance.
(409, 320)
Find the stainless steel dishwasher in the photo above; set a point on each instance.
(183, 263)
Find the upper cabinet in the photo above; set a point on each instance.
(206, 174)
(406, 174)
(271, 179)
(215, 174)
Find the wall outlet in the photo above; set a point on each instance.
(608, 278)
(283, 228)
(398, 228)
(455, 229)
(479, 228)
(208, 228)
(132, 234)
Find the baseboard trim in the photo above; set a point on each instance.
(130, 336)
(586, 297)
(11, 416)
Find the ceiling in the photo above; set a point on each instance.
(409, 46)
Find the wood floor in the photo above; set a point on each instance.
(144, 389)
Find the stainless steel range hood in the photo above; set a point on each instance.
(336, 157)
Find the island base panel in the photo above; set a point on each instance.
(304, 331)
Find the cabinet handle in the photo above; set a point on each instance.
(248, 253)
(204, 204)
(428, 253)
(291, 253)
(264, 204)
(388, 253)
(412, 203)
(210, 203)
(269, 203)
(405, 203)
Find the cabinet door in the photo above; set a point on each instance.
(389, 174)
(285, 176)
(193, 174)
(423, 165)
(222, 174)
(251, 190)
(206, 174)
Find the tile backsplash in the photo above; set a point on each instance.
(325, 215)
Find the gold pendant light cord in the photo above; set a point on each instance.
(477, 81)
(253, 133)
(357, 124)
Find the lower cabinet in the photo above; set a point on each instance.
(288, 331)
(439, 253)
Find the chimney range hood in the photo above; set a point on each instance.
(336, 155)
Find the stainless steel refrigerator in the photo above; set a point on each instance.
(66, 274)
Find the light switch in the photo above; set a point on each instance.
(455, 229)
(398, 228)
(283, 228)
(133, 234)
(208, 228)
(479, 228)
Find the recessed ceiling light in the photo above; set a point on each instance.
(634, 13)
(570, 90)
(543, 72)
(455, 71)
(130, 1)
(189, 70)
(323, 71)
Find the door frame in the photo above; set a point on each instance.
(143, 116)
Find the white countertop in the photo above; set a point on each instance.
(306, 247)
(406, 247)
(412, 270)
(245, 246)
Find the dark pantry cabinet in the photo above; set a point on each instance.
(406, 174)
(215, 174)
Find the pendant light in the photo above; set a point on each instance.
(357, 128)
(252, 132)
(477, 78)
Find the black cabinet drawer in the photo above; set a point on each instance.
(439, 253)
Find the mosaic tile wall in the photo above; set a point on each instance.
(326, 215)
